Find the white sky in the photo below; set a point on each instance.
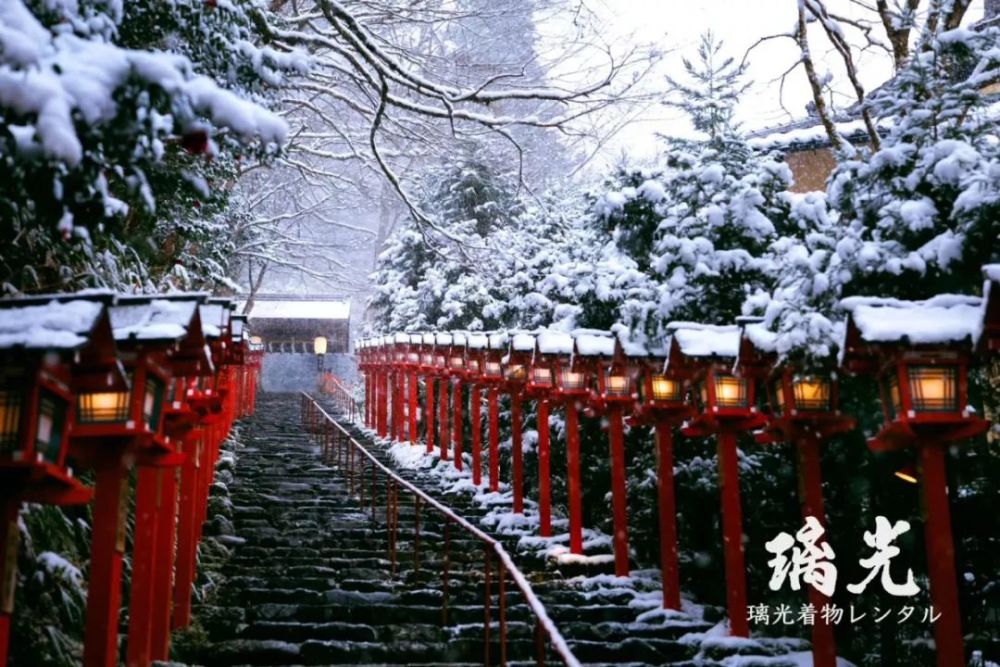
(676, 26)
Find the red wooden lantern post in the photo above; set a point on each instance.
(805, 410)
(919, 352)
(515, 371)
(458, 372)
(492, 374)
(363, 368)
(664, 404)
(613, 393)
(413, 367)
(114, 429)
(256, 354)
(572, 374)
(476, 344)
(726, 407)
(442, 355)
(428, 368)
(40, 342)
(383, 361)
(540, 386)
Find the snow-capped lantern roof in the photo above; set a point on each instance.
(443, 338)
(522, 342)
(990, 340)
(478, 341)
(54, 322)
(499, 340)
(401, 338)
(214, 318)
(554, 342)
(758, 346)
(144, 318)
(416, 339)
(705, 340)
(594, 343)
(429, 338)
(459, 338)
(943, 320)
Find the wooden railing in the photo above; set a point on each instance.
(363, 472)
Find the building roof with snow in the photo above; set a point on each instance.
(290, 323)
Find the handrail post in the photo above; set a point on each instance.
(486, 604)
(539, 644)
(503, 613)
(416, 525)
(447, 562)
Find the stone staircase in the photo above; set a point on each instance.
(313, 579)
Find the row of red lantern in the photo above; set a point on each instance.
(110, 382)
(697, 382)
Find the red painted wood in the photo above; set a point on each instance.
(573, 490)
(457, 430)
(477, 434)
(619, 499)
(104, 588)
(668, 516)
(429, 412)
(412, 382)
(493, 408)
(163, 569)
(443, 418)
(383, 404)
(147, 500)
(824, 647)
(517, 452)
(732, 534)
(544, 494)
(941, 557)
(8, 541)
(186, 517)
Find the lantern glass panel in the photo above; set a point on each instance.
(10, 421)
(427, 359)
(778, 389)
(811, 394)
(493, 369)
(933, 388)
(51, 424)
(617, 383)
(892, 396)
(730, 391)
(152, 403)
(516, 372)
(103, 407)
(413, 358)
(663, 388)
(572, 380)
(541, 376)
(473, 366)
(457, 363)
(440, 361)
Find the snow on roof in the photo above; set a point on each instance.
(761, 337)
(213, 318)
(62, 326)
(555, 342)
(992, 272)
(443, 338)
(810, 132)
(706, 340)
(301, 310)
(416, 339)
(593, 343)
(941, 319)
(478, 341)
(458, 338)
(429, 339)
(161, 319)
(401, 338)
(498, 340)
(523, 342)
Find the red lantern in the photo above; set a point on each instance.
(919, 352)
(725, 407)
(49, 348)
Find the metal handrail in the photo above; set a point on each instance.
(348, 404)
(544, 623)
